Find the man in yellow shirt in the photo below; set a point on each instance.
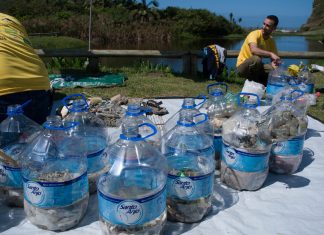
(259, 44)
(23, 75)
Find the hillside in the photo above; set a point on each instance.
(316, 21)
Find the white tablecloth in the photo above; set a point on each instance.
(286, 204)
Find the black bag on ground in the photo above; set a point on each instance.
(214, 59)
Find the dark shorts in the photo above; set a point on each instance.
(38, 109)
(253, 69)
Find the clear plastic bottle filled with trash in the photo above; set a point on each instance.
(132, 194)
(136, 113)
(191, 167)
(286, 118)
(245, 156)
(290, 120)
(277, 80)
(305, 77)
(15, 132)
(94, 133)
(190, 105)
(218, 110)
(55, 178)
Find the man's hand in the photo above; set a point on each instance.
(275, 60)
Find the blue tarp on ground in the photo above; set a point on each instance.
(70, 81)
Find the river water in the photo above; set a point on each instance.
(284, 43)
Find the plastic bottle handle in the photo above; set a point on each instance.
(137, 138)
(66, 98)
(19, 108)
(202, 121)
(152, 127)
(217, 84)
(202, 102)
(301, 93)
(248, 105)
(296, 83)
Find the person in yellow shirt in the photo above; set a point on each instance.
(23, 75)
(258, 44)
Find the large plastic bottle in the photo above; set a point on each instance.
(191, 167)
(136, 114)
(132, 194)
(93, 132)
(55, 178)
(245, 156)
(277, 80)
(306, 78)
(15, 132)
(286, 118)
(286, 156)
(218, 111)
(190, 105)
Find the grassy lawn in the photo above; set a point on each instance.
(151, 84)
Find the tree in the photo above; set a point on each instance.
(146, 11)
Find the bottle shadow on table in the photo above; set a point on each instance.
(312, 133)
(10, 217)
(292, 180)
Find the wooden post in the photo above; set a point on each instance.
(93, 66)
(186, 63)
(193, 65)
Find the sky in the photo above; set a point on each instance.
(291, 13)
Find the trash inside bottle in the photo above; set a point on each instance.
(191, 163)
(132, 194)
(55, 178)
(245, 156)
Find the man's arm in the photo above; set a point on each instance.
(275, 59)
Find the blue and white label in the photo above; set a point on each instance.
(53, 194)
(10, 176)
(246, 162)
(96, 161)
(292, 147)
(273, 89)
(132, 212)
(34, 192)
(190, 187)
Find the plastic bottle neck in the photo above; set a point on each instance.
(188, 103)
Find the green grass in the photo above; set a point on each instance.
(60, 42)
(153, 84)
(317, 111)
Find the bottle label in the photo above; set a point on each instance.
(246, 162)
(54, 194)
(10, 176)
(218, 143)
(292, 147)
(131, 212)
(96, 161)
(190, 187)
(273, 89)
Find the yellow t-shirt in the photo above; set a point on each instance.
(21, 69)
(255, 37)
